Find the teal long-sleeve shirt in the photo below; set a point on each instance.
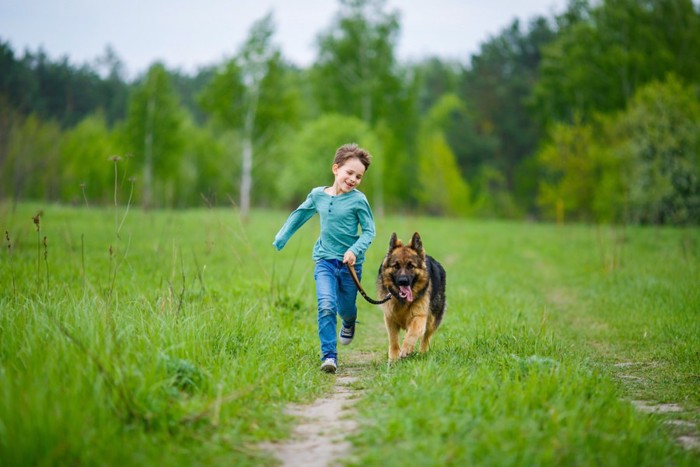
(346, 224)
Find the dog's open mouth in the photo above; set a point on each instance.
(406, 293)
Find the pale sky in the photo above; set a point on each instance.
(191, 34)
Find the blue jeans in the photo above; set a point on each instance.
(336, 293)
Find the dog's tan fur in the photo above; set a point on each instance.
(420, 315)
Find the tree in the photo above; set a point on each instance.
(639, 166)
(573, 170)
(436, 78)
(153, 132)
(442, 190)
(86, 175)
(356, 73)
(597, 63)
(249, 95)
(660, 144)
(500, 131)
(356, 68)
(32, 160)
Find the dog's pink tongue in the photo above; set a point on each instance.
(406, 293)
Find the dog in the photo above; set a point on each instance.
(416, 283)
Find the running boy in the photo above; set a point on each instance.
(342, 209)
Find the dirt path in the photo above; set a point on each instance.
(320, 438)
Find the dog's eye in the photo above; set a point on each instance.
(396, 266)
(410, 266)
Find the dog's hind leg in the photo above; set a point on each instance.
(425, 339)
(416, 328)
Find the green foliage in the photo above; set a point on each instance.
(252, 96)
(492, 197)
(25, 175)
(84, 153)
(660, 140)
(573, 160)
(355, 72)
(310, 153)
(223, 95)
(441, 190)
(207, 172)
(639, 166)
(497, 88)
(153, 134)
(228, 128)
(597, 63)
(58, 90)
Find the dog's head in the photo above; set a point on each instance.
(403, 269)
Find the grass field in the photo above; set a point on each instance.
(177, 338)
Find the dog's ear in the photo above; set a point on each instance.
(394, 242)
(417, 244)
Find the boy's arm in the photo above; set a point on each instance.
(366, 220)
(295, 220)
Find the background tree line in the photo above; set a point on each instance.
(589, 115)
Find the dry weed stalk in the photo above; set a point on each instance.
(37, 222)
(46, 262)
(9, 260)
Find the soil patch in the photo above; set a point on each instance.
(319, 438)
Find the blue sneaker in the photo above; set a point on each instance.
(346, 334)
(329, 365)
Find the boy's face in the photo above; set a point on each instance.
(348, 176)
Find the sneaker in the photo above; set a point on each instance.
(329, 365)
(346, 334)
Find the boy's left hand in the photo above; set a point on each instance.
(349, 258)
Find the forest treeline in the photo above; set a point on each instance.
(592, 114)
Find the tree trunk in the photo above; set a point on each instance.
(148, 155)
(247, 165)
(246, 175)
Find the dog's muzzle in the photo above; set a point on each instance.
(405, 291)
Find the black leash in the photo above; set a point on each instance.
(362, 291)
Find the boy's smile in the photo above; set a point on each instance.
(347, 176)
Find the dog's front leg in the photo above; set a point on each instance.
(392, 330)
(415, 329)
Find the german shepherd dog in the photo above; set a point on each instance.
(416, 283)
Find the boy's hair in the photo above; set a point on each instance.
(348, 151)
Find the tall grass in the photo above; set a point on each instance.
(523, 370)
(189, 350)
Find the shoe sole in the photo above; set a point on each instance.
(328, 368)
(345, 340)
